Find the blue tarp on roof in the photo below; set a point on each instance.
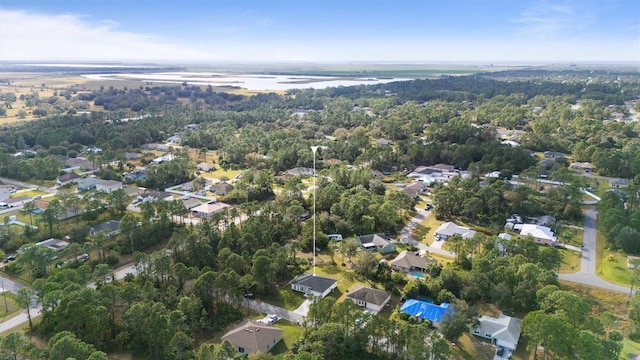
(425, 310)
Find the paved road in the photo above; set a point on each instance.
(587, 274)
(272, 309)
(405, 235)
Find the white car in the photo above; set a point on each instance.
(272, 318)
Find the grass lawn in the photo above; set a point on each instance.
(611, 265)
(571, 236)
(286, 298)
(346, 279)
(427, 228)
(629, 347)
(290, 333)
(29, 193)
(570, 261)
(218, 173)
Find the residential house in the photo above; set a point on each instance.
(40, 206)
(78, 164)
(415, 189)
(191, 127)
(108, 186)
(540, 234)
(109, 228)
(584, 166)
(372, 300)
(546, 163)
(554, 155)
(131, 155)
(408, 262)
(503, 331)
(384, 142)
(317, 286)
(633, 261)
(546, 220)
(203, 185)
(15, 201)
(56, 245)
(190, 203)
(163, 158)
(300, 171)
(449, 229)
(154, 195)
(207, 210)
(377, 242)
(134, 191)
(136, 175)
(86, 184)
(251, 337)
(205, 167)
(67, 179)
(174, 139)
(501, 242)
(223, 188)
(423, 310)
(618, 183)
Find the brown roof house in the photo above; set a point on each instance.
(373, 300)
(223, 188)
(410, 262)
(251, 337)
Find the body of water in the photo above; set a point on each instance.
(250, 81)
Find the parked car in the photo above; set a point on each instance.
(9, 258)
(272, 318)
(500, 351)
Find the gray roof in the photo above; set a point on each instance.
(369, 295)
(108, 226)
(316, 283)
(450, 229)
(68, 177)
(505, 328)
(252, 336)
(377, 239)
(408, 260)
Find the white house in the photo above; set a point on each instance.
(317, 286)
(503, 331)
(540, 234)
(372, 300)
(108, 186)
(449, 229)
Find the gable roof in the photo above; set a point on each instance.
(408, 260)
(191, 203)
(253, 336)
(425, 310)
(68, 177)
(450, 229)
(369, 295)
(537, 231)
(505, 328)
(316, 283)
(108, 226)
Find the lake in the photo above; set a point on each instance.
(253, 82)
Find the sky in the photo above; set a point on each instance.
(468, 31)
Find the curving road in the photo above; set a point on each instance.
(405, 235)
(587, 274)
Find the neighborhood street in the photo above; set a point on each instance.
(587, 274)
(263, 307)
(406, 238)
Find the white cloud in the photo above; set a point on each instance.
(29, 36)
(544, 20)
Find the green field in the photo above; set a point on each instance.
(611, 265)
(570, 261)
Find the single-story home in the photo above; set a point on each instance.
(134, 191)
(300, 171)
(87, 183)
(618, 183)
(385, 142)
(415, 189)
(317, 286)
(251, 337)
(163, 158)
(108, 186)
(154, 195)
(131, 155)
(503, 331)
(449, 229)
(78, 164)
(633, 261)
(205, 167)
(546, 220)
(190, 203)
(540, 234)
(67, 179)
(377, 242)
(429, 311)
(408, 261)
(584, 166)
(372, 300)
(223, 188)
(53, 244)
(191, 127)
(554, 155)
(207, 210)
(15, 201)
(109, 228)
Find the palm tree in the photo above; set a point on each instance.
(29, 208)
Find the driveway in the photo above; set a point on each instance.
(406, 238)
(587, 274)
(283, 313)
